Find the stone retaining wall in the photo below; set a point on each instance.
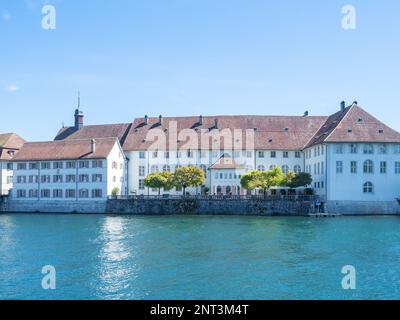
(208, 206)
(57, 206)
(363, 207)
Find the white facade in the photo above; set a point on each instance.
(6, 177)
(71, 180)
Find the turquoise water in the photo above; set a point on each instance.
(198, 257)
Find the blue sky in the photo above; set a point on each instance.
(188, 57)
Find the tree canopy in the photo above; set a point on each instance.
(159, 180)
(190, 176)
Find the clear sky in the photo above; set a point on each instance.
(189, 57)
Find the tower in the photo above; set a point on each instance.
(78, 115)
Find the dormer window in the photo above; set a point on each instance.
(269, 140)
(349, 130)
(380, 130)
(286, 129)
(360, 120)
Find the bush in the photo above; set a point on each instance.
(115, 192)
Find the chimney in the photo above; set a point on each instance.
(93, 146)
(160, 120)
(216, 123)
(342, 105)
(201, 120)
(146, 120)
(305, 113)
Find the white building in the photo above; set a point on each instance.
(351, 155)
(10, 143)
(71, 170)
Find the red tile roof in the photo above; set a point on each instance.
(10, 142)
(226, 163)
(354, 124)
(119, 131)
(65, 150)
(270, 132)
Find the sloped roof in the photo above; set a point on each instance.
(9, 141)
(119, 131)
(270, 132)
(65, 150)
(354, 124)
(226, 163)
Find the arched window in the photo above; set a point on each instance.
(368, 166)
(261, 168)
(219, 189)
(368, 187)
(272, 166)
(285, 169)
(228, 190)
(166, 168)
(154, 168)
(297, 169)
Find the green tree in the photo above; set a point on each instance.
(301, 179)
(251, 180)
(190, 176)
(115, 192)
(157, 180)
(288, 179)
(271, 178)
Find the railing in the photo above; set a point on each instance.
(222, 197)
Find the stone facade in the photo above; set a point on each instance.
(56, 206)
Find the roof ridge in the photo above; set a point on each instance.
(344, 116)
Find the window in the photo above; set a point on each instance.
(97, 164)
(236, 154)
(285, 169)
(70, 193)
(83, 193)
(70, 165)
(97, 178)
(21, 166)
(339, 149)
(33, 193)
(178, 154)
(114, 165)
(97, 193)
(57, 193)
(273, 154)
(57, 178)
(383, 167)
(142, 171)
(272, 166)
(83, 178)
(166, 154)
(142, 155)
(297, 169)
(297, 154)
(83, 164)
(382, 149)
(397, 167)
(261, 154)
(58, 165)
(33, 166)
(154, 168)
(261, 168)
(45, 179)
(33, 179)
(368, 166)
(322, 152)
(204, 168)
(368, 187)
(203, 154)
(353, 166)
(45, 193)
(353, 148)
(339, 166)
(155, 154)
(318, 168)
(166, 168)
(397, 148)
(45, 165)
(285, 154)
(21, 179)
(322, 167)
(21, 193)
(141, 184)
(368, 149)
(318, 151)
(315, 168)
(69, 178)
(189, 154)
(216, 175)
(9, 166)
(249, 154)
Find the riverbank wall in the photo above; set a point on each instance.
(200, 206)
(167, 206)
